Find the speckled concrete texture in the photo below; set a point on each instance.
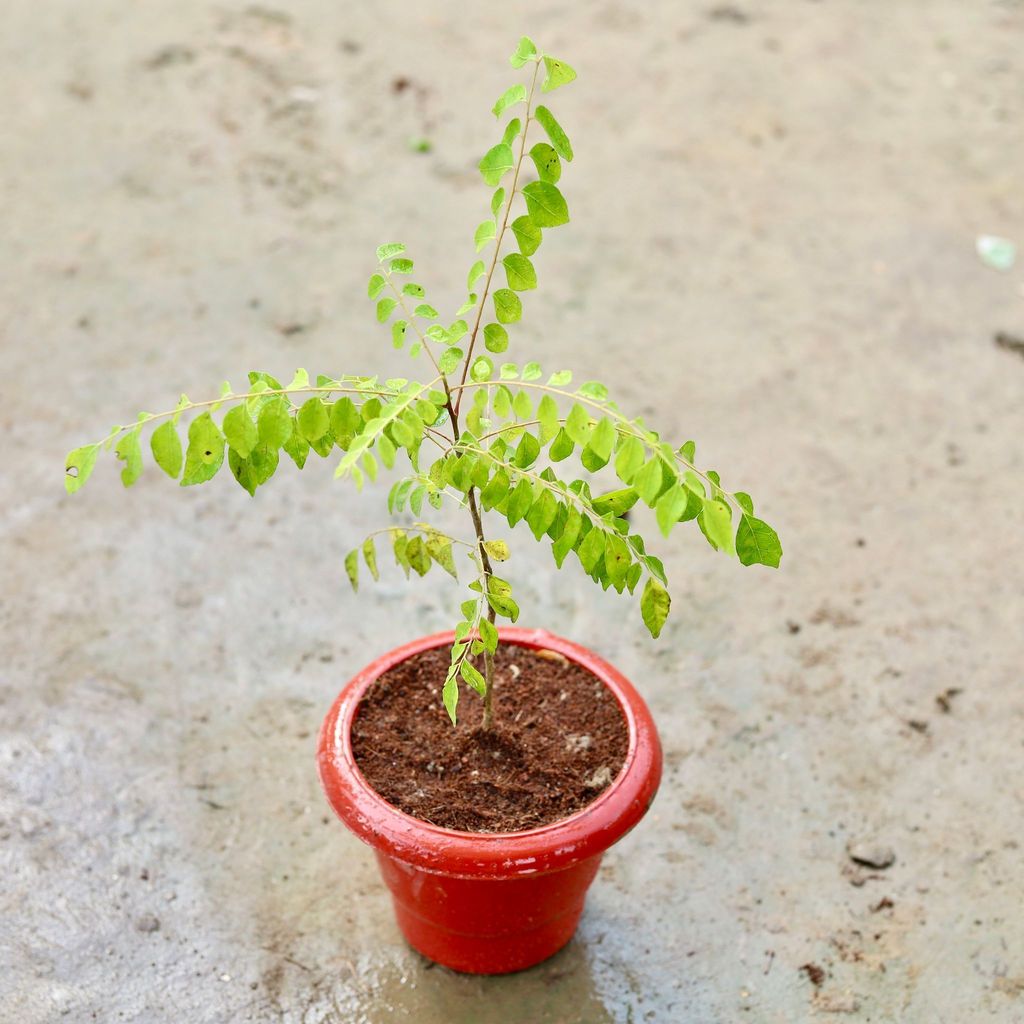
(775, 208)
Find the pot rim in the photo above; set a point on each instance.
(586, 833)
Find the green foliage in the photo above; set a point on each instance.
(508, 443)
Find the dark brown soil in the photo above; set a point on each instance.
(560, 738)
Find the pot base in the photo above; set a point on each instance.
(516, 922)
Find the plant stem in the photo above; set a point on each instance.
(485, 565)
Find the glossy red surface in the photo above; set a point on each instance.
(489, 903)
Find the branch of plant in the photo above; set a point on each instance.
(416, 327)
(422, 529)
(624, 421)
(232, 397)
(501, 234)
(581, 503)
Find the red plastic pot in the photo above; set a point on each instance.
(489, 903)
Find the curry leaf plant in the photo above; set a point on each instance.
(496, 438)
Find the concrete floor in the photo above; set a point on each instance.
(775, 209)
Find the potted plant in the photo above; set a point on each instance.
(489, 818)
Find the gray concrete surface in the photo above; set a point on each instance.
(772, 250)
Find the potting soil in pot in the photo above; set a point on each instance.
(559, 740)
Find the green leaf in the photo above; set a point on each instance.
(418, 556)
(629, 459)
(562, 446)
(416, 499)
(617, 502)
(504, 606)
(497, 550)
(495, 338)
(717, 522)
(546, 204)
(402, 266)
(377, 284)
(415, 291)
(523, 405)
(439, 547)
(484, 234)
(524, 51)
(594, 389)
(577, 425)
(425, 311)
(275, 425)
(757, 543)
(496, 163)
(473, 677)
(400, 545)
(129, 452)
(313, 419)
(370, 557)
(616, 561)
(532, 371)
(591, 551)
(560, 379)
(519, 502)
(545, 159)
(507, 307)
(654, 605)
(527, 451)
(512, 130)
(389, 251)
(547, 414)
(482, 369)
(647, 482)
(205, 453)
(450, 696)
(509, 98)
(345, 421)
(670, 507)
(475, 273)
(570, 534)
(385, 307)
(497, 200)
(489, 635)
(558, 74)
(528, 235)
(520, 273)
(601, 442)
(166, 447)
(240, 431)
(495, 490)
(450, 359)
(398, 333)
(403, 435)
(352, 568)
(257, 376)
(255, 470)
(542, 513)
(555, 133)
(297, 449)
